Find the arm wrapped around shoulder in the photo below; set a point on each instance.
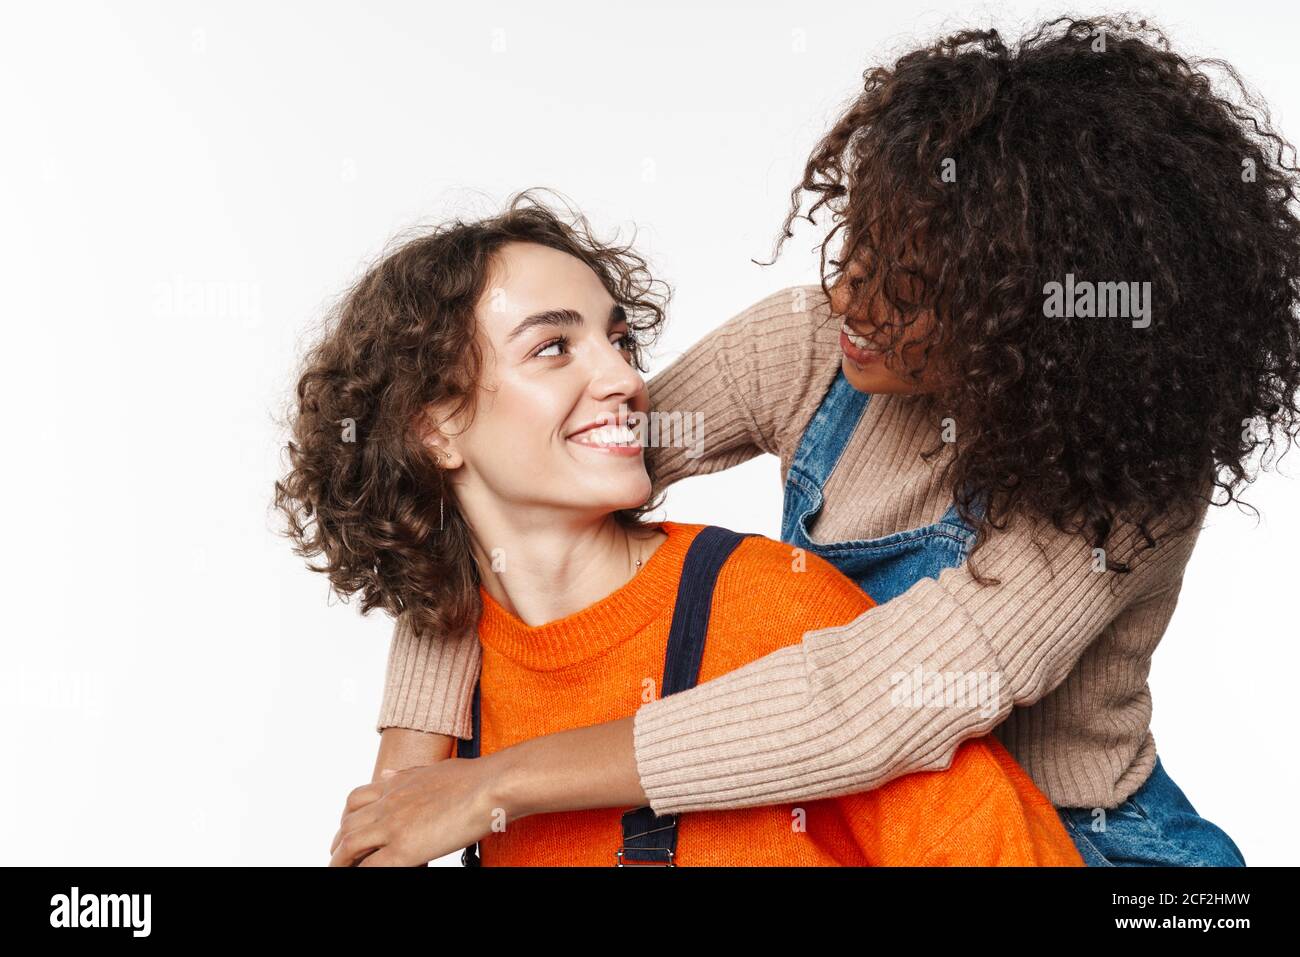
(824, 717)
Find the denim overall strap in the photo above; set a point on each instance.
(649, 838)
(823, 442)
(469, 749)
(828, 433)
(883, 567)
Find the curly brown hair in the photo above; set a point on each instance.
(1111, 161)
(362, 490)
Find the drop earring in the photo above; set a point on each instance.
(437, 458)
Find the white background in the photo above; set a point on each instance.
(185, 188)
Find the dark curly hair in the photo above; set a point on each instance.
(1087, 148)
(362, 490)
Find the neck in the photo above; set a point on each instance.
(544, 567)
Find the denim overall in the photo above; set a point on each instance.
(650, 839)
(1157, 825)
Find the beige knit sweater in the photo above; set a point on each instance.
(1071, 648)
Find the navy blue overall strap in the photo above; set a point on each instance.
(649, 838)
(469, 749)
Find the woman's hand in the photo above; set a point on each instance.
(407, 818)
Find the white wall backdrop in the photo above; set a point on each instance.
(185, 186)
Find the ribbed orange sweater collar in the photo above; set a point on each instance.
(650, 593)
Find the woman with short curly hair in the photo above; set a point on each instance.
(1063, 311)
(363, 491)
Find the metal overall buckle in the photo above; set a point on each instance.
(670, 823)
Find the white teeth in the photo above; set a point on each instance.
(607, 435)
(860, 341)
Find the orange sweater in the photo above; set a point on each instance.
(601, 663)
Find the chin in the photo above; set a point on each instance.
(874, 379)
(864, 380)
(626, 495)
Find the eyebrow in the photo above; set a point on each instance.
(562, 317)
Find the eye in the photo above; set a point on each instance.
(625, 342)
(553, 344)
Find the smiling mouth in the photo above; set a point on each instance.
(856, 347)
(608, 438)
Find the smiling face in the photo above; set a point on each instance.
(862, 333)
(557, 359)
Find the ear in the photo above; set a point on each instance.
(435, 438)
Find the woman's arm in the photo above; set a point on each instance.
(816, 719)
(819, 719)
(737, 388)
(743, 381)
(566, 771)
(400, 748)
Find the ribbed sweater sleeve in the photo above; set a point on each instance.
(746, 381)
(818, 719)
(429, 682)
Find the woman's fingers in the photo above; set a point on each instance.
(354, 821)
(369, 793)
(360, 797)
(357, 844)
(387, 856)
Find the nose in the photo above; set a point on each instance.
(839, 297)
(855, 308)
(613, 376)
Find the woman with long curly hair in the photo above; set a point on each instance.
(494, 365)
(1062, 313)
